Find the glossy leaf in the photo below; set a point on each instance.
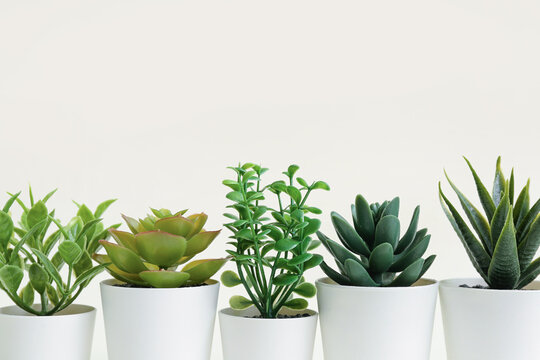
(296, 304)
(307, 290)
(238, 302)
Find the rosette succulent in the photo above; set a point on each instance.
(157, 245)
(505, 238)
(373, 254)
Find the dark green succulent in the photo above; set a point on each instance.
(373, 253)
(508, 232)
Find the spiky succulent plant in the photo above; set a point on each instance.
(373, 253)
(149, 255)
(509, 232)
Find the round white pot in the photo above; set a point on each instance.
(482, 324)
(376, 323)
(247, 338)
(148, 323)
(66, 335)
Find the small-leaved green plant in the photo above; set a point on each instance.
(55, 265)
(507, 234)
(272, 241)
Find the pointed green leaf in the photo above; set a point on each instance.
(407, 239)
(70, 252)
(11, 277)
(387, 231)
(358, 274)
(177, 225)
(334, 275)
(427, 264)
(125, 259)
(483, 193)
(411, 255)
(529, 274)
(504, 270)
(6, 229)
(202, 270)
(499, 219)
(348, 235)
(392, 208)
(499, 184)
(37, 214)
(38, 278)
(363, 219)
(339, 252)
(522, 204)
(529, 246)
(100, 210)
(381, 258)
(525, 223)
(410, 275)
(200, 242)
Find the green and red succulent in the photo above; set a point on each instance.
(157, 245)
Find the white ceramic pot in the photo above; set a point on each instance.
(66, 335)
(481, 324)
(376, 323)
(247, 338)
(148, 323)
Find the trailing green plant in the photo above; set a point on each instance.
(55, 264)
(271, 252)
(507, 234)
(372, 253)
(150, 254)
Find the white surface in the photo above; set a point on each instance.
(65, 336)
(247, 338)
(171, 324)
(149, 101)
(376, 323)
(480, 324)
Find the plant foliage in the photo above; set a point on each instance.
(55, 264)
(149, 255)
(506, 236)
(271, 244)
(372, 253)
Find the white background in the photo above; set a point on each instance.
(149, 101)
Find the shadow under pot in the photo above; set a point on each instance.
(246, 337)
(66, 335)
(355, 320)
(152, 323)
(481, 323)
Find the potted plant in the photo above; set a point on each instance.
(487, 318)
(151, 309)
(272, 249)
(377, 292)
(43, 272)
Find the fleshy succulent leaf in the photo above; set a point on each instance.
(164, 279)
(410, 275)
(176, 225)
(387, 231)
(125, 259)
(160, 248)
(504, 270)
(348, 235)
(202, 270)
(200, 241)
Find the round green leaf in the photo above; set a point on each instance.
(164, 279)
(306, 290)
(230, 279)
(321, 185)
(27, 295)
(11, 277)
(285, 279)
(316, 260)
(176, 225)
(286, 244)
(70, 252)
(37, 213)
(300, 259)
(238, 302)
(381, 258)
(160, 248)
(38, 278)
(297, 304)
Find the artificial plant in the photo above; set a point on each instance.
(372, 253)
(272, 242)
(150, 254)
(55, 264)
(507, 234)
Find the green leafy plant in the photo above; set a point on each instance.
(149, 255)
(372, 253)
(30, 251)
(508, 232)
(271, 253)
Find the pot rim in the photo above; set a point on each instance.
(426, 283)
(228, 311)
(111, 282)
(532, 288)
(77, 310)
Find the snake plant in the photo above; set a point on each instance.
(372, 253)
(33, 257)
(149, 255)
(506, 236)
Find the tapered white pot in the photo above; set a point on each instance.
(66, 335)
(376, 323)
(247, 338)
(482, 324)
(148, 323)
